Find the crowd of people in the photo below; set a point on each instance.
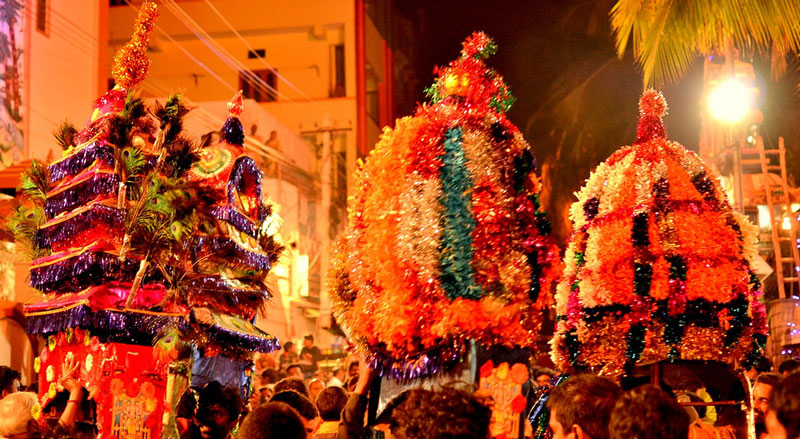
(294, 398)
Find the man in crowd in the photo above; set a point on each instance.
(580, 408)
(9, 381)
(218, 410)
(789, 366)
(338, 378)
(314, 387)
(288, 356)
(295, 370)
(330, 403)
(274, 420)
(304, 407)
(309, 356)
(783, 409)
(647, 412)
(292, 383)
(762, 389)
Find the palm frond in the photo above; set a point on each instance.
(35, 183)
(668, 35)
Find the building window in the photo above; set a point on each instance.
(42, 16)
(254, 89)
(337, 89)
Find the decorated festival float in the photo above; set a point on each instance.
(658, 281)
(151, 254)
(447, 248)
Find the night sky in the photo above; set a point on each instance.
(576, 100)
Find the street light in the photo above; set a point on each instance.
(730, 101)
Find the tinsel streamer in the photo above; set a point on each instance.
(457, 223)
(78, 161)
(433, 361)
(75, 272)
(126, 324)
(87, 188)
(94, 218)
(215, 244)
(230, 296)
(246, 178)
(229, 337)
(230, 214)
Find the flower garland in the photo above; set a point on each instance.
(446, 240)
(658, 265)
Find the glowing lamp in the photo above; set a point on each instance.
(730, 101)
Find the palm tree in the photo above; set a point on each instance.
(669, 35)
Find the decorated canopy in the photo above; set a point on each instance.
(446, 239)
(658, 265)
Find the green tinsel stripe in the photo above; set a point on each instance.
(457, 277)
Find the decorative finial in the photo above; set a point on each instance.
(468, 80)
(131, 63)
(236, 105)
(232, 131)
(652, 108)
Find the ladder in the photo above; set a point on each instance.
(784, 242)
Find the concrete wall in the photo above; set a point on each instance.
(64, 70)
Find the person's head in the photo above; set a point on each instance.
(292, 383)
(294, 370)
(308, 341)
(762, 388)
(273, 420)
(445, 413)
(314, 387)
(338, 374)
(581, 407)
(16, 418)
(542, 375)
(218, 409)
(304, 407)
(352, 370)
(647, 412)
(789, 366)
(330, 403)
(269, 376)
(783, 409)
(288, 347)
(9, 381)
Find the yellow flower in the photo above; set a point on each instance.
(36, 411)
(88, 362)
(37, 364)
(51, 392)
(50, 373)
(51, 343)
(70, 334)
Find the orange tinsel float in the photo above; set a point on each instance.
(657, 258)
(446, 240)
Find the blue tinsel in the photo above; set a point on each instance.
(216, 244)
(457, 277)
